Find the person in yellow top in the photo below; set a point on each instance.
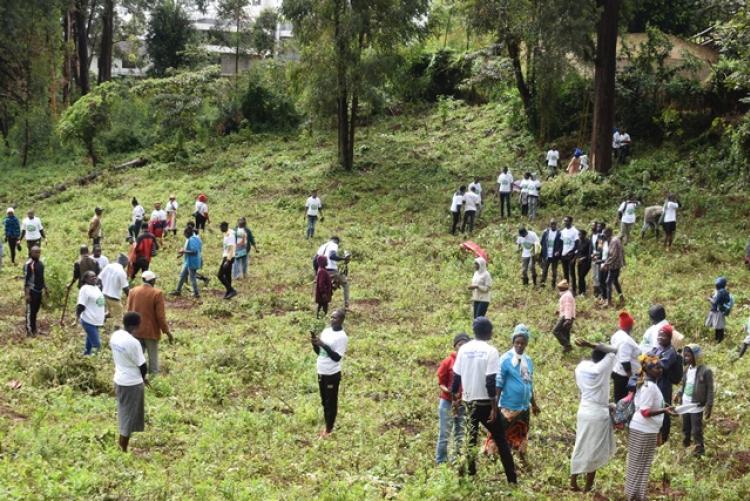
(95, 227)
(228, 253)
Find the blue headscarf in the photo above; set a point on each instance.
(520, 330)
(721, 283)
(578, 152)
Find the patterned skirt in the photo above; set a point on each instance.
(641, 449)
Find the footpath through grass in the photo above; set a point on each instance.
(236, 412)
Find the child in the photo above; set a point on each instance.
(450, 421)
(698, 390)
(323, 287)
(720, 307)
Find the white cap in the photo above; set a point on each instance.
(9, 211)
(148, 275)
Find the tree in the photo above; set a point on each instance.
(232, 14)
(169, 33)
(263, 32)
(605, 66)
(347, 36)
(107, 42)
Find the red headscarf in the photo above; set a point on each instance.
(626, 321)
(323, 284)
(202, 198)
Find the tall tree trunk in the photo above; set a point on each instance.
(342, 89)
(604, 86)
(67, 70)
(26, 141)
(448, 27)
(237, 53)
(352, 128)
(105, 51)
(82, 47)
(514, 52)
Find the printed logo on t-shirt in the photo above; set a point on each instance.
(100, 301)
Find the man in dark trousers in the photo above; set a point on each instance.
(83, 264)
(552, 246)
(34, 286)
(570, 239)
(330, 347)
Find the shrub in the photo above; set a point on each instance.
(587, 189)
(267, 110)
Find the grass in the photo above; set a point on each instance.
(236, 413)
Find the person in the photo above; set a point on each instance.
(574, 166)
(746, 341)
(583, 260)
(669, 219)
(472, 202)
(475, 375)
(137, 216)
(330, 250)
(671, 364)
(643, 435)
(323, 287)
(201, 212)
(229, 249)
(595, 437)
(616, 138)
(12, 232)
(172, 207)
(551, 248)
(533, 186)
(612, 266)
(83, 264)
(330, 347)
(628, 351)
(148, 302)
(145, 247)
(571, 240)
(527, 242)
(449, 423)
(192, 261)
(523, 197)
(245, 241)
(514, 393)
(129, 379)
(313, 211)
(481, 283)
(32, 230)
(696, 391)
(90, 311)
(721, 306)
(652, 219)
(114, 280)
(476, 187)
(658, 316)
(456, 203)
(504, 189)
(566, 311)
(96, 231)
(34, 286)
(553, 157)
(157, 222)
(624, 149)
(102, 261)
(596, 256)
(626, 215)
(584, 162)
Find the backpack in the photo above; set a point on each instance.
(676, 371)
(726, 308)
(624, 411)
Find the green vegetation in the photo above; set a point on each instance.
(236, 412)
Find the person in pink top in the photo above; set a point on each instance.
(567, 314)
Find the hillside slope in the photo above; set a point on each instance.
(236, 412)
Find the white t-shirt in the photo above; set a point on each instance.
(605, 251)
(102, 261)
(527, 243)
(506, 182)
(616, 138)
(337, 341)
(128, 357)
(474, 362)
(325, 250)
(172, 206)
(471, 201)
(551, 236)
(114, 280)
(158, 215)
(457, 202)
(138, 213)
(313, 206)
(687, 394)
(93, 299)
(553, 156)
(201, 208)
(627, 351)
(33, 228)
(649, 337)
(670, 212)
(628, 211)
(569, 238)
(230, 240)
(624, 139)
(648, 396)
(592, 379)
(533, 186)
(477, 187)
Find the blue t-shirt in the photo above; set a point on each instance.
(194, 260)
(516, 383)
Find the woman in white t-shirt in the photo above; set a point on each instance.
(456, 203)
(643, 436)
(90, 311)
(669, 219)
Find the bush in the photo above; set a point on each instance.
(266, 110)
(587, 189)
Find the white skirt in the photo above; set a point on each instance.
(595, 439)
(715, 320)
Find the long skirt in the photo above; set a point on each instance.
(715, 320)
(516, 425)
(641, 449)
(595, 439)
(130, 408)
(171, 221)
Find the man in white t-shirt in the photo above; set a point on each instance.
(527, 242)
(669, 218)
(616, 144)
(330, 250)
(570, 240)
(472, 202)
(102, 261)
(114, 280)
(313, 211)
(553, 157)
(229, 248)
(476, 187)
(624, 149)
(456, 203)
(626, 213)
(32, 230)
(628, 352)
(504, 189)
(330, 347)
(137, 215)
(474, 386)
(533, 185)
(90, 311)
(129, 379)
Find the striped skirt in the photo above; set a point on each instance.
(641, 449)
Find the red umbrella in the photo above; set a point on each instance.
(475, 249)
